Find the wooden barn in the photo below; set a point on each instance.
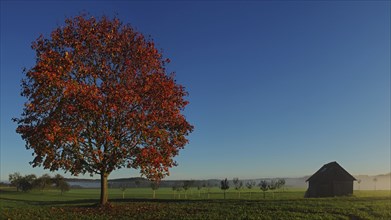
(330, 180)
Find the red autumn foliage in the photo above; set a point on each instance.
(99, 99)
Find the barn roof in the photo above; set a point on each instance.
(331, 171)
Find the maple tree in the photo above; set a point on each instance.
(99, 99)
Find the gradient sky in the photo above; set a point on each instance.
(277, 89)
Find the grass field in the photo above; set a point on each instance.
(138, 204)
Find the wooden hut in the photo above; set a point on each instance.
(330, 180)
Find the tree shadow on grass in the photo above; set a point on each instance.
(95, 202)
(88, 203)
(77, 202)
(8, 192)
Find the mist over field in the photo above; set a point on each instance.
(383, 182)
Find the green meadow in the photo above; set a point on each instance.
(138, 203)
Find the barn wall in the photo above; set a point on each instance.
(329, 189)
(311, 191)
(316, 189)
(342, 188)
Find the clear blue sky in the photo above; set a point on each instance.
(277, 89)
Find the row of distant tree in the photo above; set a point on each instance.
(238, 185)
(184, 186)
(29, 182)
(264, 185)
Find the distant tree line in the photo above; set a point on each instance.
(188, 185)
(182, 187)
(264, 185)
(28, 182)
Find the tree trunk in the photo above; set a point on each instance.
(104, 196)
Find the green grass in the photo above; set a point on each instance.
(138, 204)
